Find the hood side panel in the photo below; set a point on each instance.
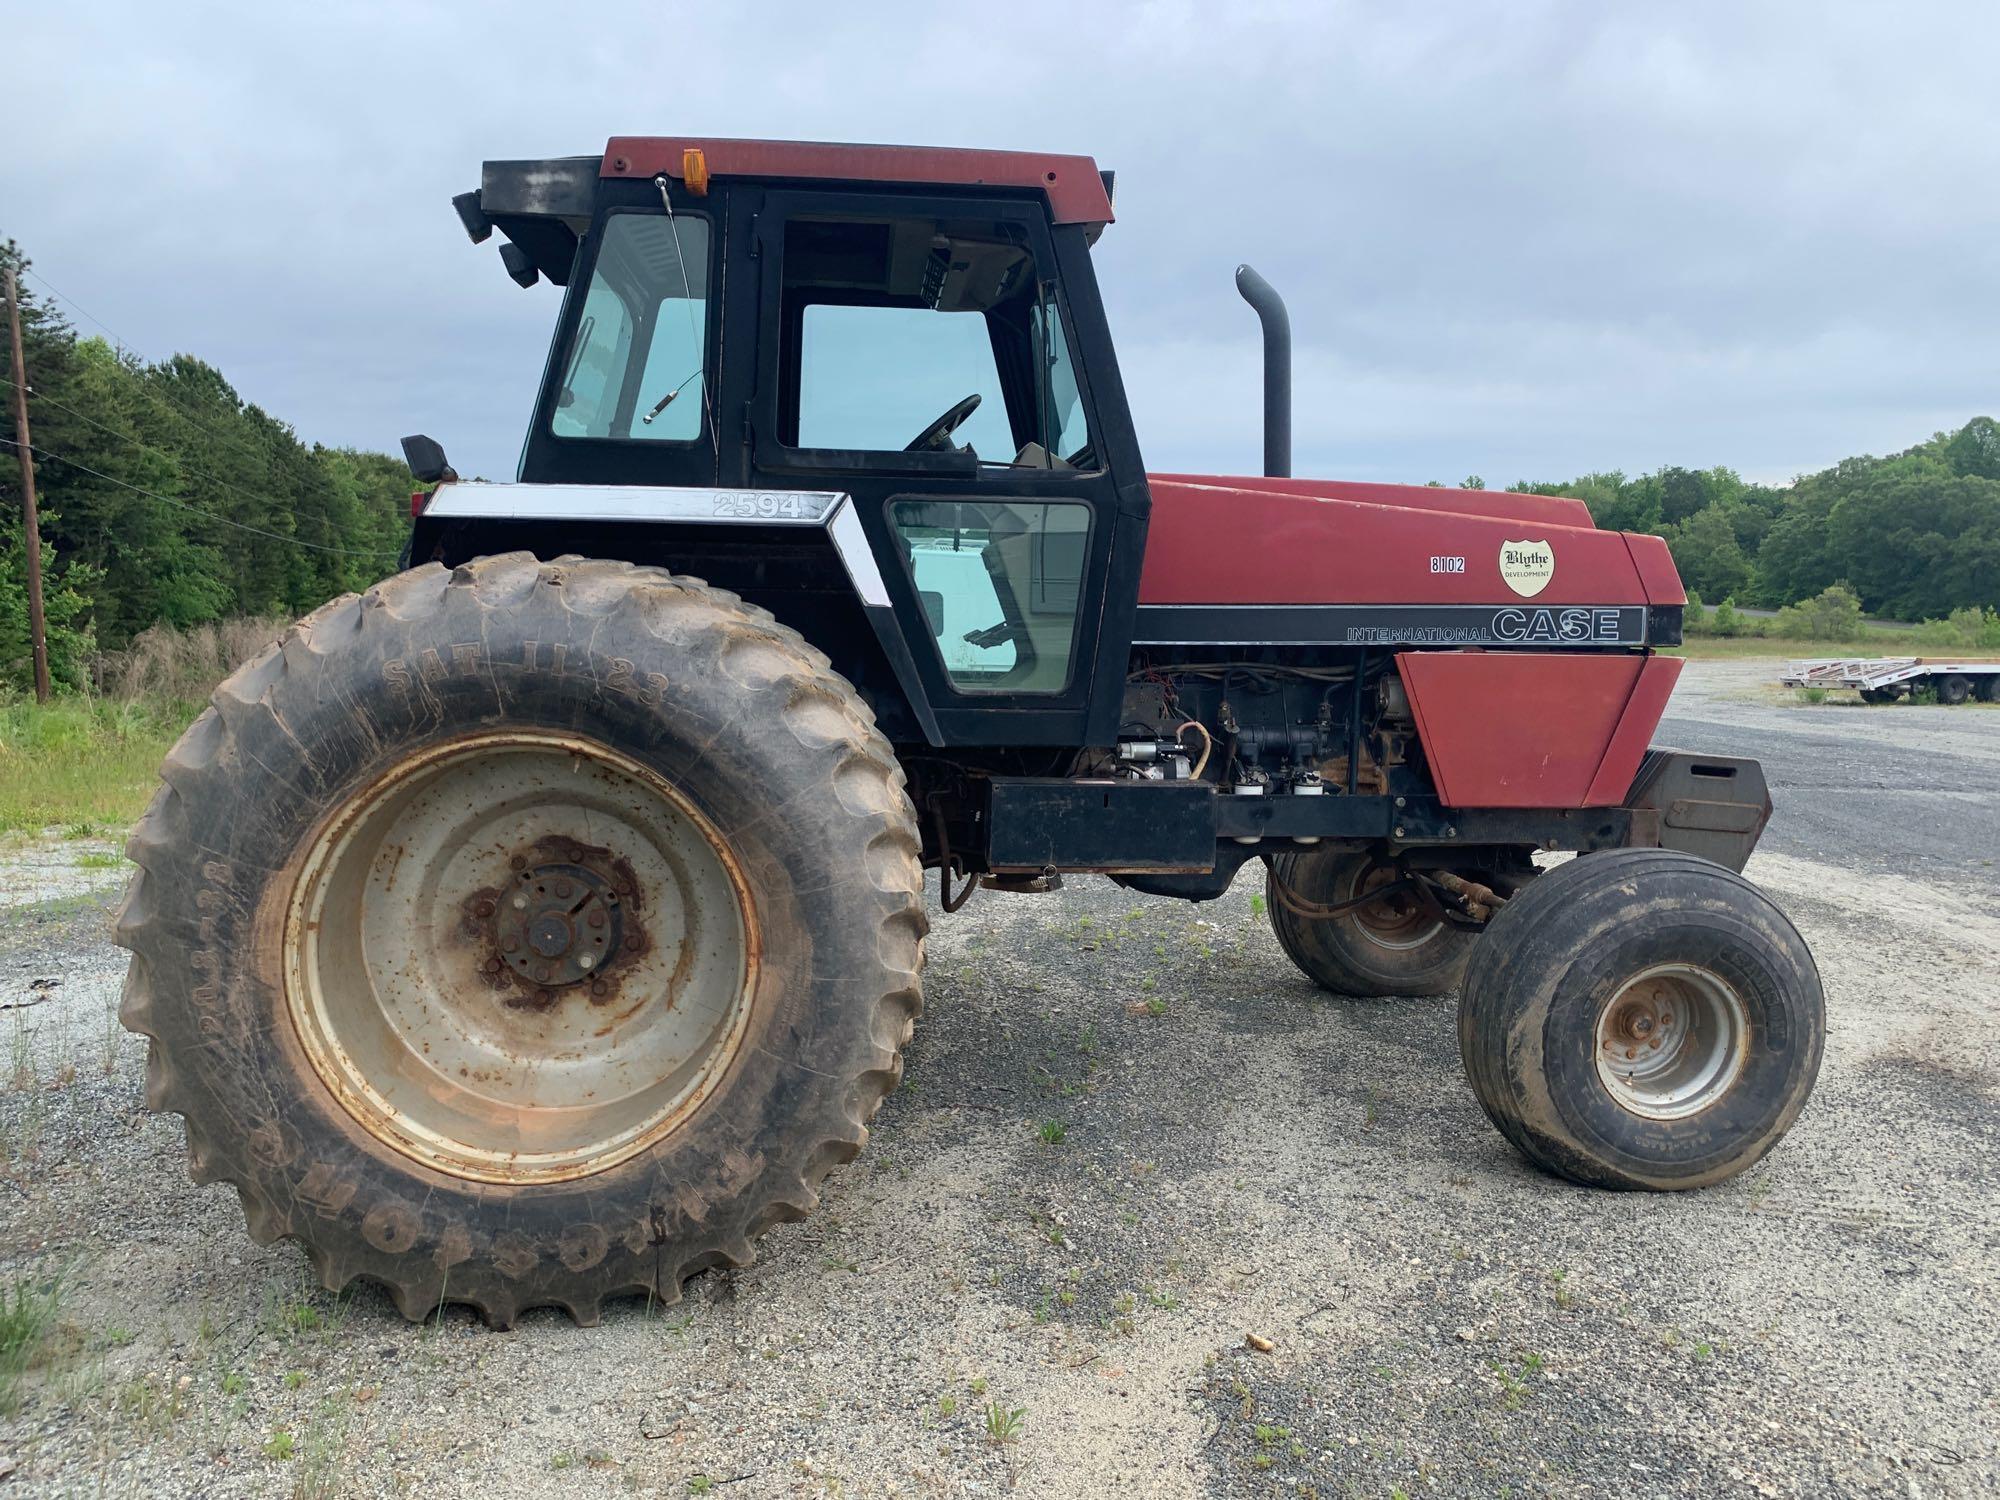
(1243, 542)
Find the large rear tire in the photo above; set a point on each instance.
(1642, 1019)
(1393, 946)
(1954, 689)
(526, 934)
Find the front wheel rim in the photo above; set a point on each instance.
(520, 957)
(1396, 921)
(1672, 1041)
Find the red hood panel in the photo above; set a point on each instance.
(1298, 541)
(1551, 510)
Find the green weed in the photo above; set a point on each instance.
(1003, 1424)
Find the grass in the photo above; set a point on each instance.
(27, 1313)
(1003, 1424)
(85, 765)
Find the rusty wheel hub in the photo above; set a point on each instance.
(520, 957)
(561, 924)
(1671, 1041)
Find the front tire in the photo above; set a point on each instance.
(1954, 689)
(1392, 946)
(1642, 1019)
(526, 934)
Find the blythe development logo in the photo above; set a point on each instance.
(1527, 567)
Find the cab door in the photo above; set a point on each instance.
(932, 355)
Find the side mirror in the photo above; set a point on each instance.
(518, 265)
(425, 456)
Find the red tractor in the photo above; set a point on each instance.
(543, 924)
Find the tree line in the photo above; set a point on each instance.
(167, 499)
(1913, 536)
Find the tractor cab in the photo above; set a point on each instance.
(916, 330)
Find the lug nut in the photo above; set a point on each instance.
(596, 917)
(599, 988)
(586, 960)
(510, 943)
(518, 863)
(484, 908)
(632, 943)
(562, 888)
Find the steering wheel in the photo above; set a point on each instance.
(937, 436)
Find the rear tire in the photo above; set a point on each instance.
(1387, 947)
(526, 934)
(1989, 688)
(1878, 695)
(1642, 1019)
(1954, 689)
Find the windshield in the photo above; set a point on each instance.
(635, 367)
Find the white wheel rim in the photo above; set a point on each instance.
(1672, 1041)
(520, 957)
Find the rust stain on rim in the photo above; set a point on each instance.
(326, 1028)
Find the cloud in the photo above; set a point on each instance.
(1521, 240)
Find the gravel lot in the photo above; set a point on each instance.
(1254, 1158)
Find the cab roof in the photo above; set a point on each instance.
(1077, 192)
(544, 206)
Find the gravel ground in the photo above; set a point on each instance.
(1239, 1155)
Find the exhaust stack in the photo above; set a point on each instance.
(1270, 309)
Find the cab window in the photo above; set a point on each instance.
(634, 366)
(998, 582)
(926, 334)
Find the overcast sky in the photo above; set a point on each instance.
(1522, 240)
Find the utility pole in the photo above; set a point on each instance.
(30, 524)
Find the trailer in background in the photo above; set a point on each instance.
(1884, 679)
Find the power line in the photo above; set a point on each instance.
(182, 464)
(237, 444)
(234, 443)
(207, 515)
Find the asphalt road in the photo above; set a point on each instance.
(1888, 790)
(1239, 1154)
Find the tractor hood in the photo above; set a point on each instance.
(1217, 541)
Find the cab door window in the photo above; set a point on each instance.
(921, 333)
